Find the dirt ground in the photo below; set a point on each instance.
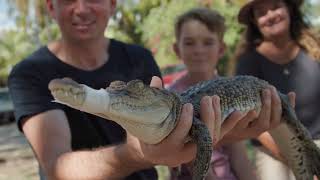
(16, 158)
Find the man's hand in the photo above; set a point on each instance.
(267, 141)
(173, 150)
(239, 127)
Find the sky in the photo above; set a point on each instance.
(5, 21)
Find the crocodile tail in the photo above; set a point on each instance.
(314, 157)
(201, 136)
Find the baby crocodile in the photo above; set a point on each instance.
(151, 114)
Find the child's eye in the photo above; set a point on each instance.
(188, 43)
(209, 43)
(94, 1)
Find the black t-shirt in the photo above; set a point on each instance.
(301, 75)
(28, 84)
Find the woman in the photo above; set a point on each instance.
(280, 48)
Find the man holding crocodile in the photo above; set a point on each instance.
(70, 144)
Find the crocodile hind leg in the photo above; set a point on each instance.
(201, 136)
(314, 152)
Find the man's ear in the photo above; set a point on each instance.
(176, 49)
(50, 8)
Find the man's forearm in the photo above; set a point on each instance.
(114, 162)
(267, 141)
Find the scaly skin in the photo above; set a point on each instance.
(151, 114)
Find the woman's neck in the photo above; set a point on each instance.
(280, 51)
(86, 56)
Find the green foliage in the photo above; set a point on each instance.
(28, 13)
(232, 35)
(17, 44)
(49, 33)
(129, 16)
(158, 29)
(163, 172)
(14, 46)
(30, 33)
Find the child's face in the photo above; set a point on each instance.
(198, 47)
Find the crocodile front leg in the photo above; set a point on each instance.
(201, 136)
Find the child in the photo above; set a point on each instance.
(199, 44)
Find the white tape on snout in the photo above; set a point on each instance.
(96, 101)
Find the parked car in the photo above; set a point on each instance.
(6, 107)
(172, 72)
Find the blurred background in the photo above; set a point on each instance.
(25, 26)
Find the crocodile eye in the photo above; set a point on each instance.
(135, 86)
(139, 85)
(116, 86)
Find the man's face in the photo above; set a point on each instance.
(81, 20)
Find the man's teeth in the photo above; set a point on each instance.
(84, 24)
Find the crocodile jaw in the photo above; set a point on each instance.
(92, 101)
(150, 121)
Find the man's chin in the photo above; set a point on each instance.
(83, 37)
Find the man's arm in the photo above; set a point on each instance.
(50, 138)
(267, 141)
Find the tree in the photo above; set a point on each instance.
(33, 29)
(14, 46)
(32, 18)
(128, 18)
